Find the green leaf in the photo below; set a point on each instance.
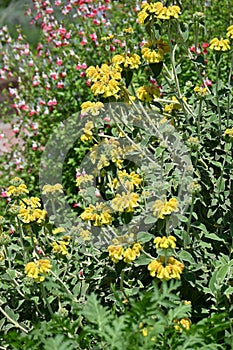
(222, 272)
(150, 219)
(213, 236)
(57, 343)
(142, 260)
(186, 256)
(156, 68)
(11, 313)
(144, 237)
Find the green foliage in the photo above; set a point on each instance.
(92, 297)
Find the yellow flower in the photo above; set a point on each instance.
(174, 106)
(220, 44)
(105, 79)
(128, 30)
(155, 55)
(35, 269)
(2, 256)
(83, 178)
(30, 210)
(92, 107)
(115, 253)
(147, 93)
(202, 91)
(131, 61)
(127, 180)
(183, 323)
(16, 191)
(52, 189)
(99, 214)
(60, 247)
(129, 255)
(230, 32)
(107, 38)
(87, 135)
(86, 235)
(157, 11)
(165, 271)
(161, 208)
(229, 133)
(165, 242)
(58, 230)
(125, 202)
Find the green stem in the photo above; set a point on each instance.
(199, 118)
(229, 94)
(189, 223)
(25, 255)
(217, 95)
(17, 325)
(44, 294)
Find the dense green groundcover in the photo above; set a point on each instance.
(116, 200)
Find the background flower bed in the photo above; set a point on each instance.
(129, 306)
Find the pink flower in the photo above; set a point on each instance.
(84, 41)
(208, 82)
(49, 10)
(60, 85)
(4, 194)
(52, 102)
(59, 61)
(53, 75)
(195, 50)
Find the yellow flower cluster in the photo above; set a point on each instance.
(193, 141)
(154, 55)
(165, 269)
(105, 79)
(174, 106)
(60, 247)
(18, 188)
(58, 230)
(117, 252)
(125, 202)
(99, 214)
(92, 107)
(131, 61)
(87, 133)
(36, 269)
(2, 255)
(183, 323)
(165, 242)
(83, 178)
(86, 235)
(52, 189)
(30, 211)
(220, 44)
(229, 133)
(128, 181)
(194, 187)
(128, 30)
(107, 38)
(163, 208)
(147, 93)
(112, 151)
(230, 32)
(201, 91)
(157, 11)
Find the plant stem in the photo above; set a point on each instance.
(17, 325)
